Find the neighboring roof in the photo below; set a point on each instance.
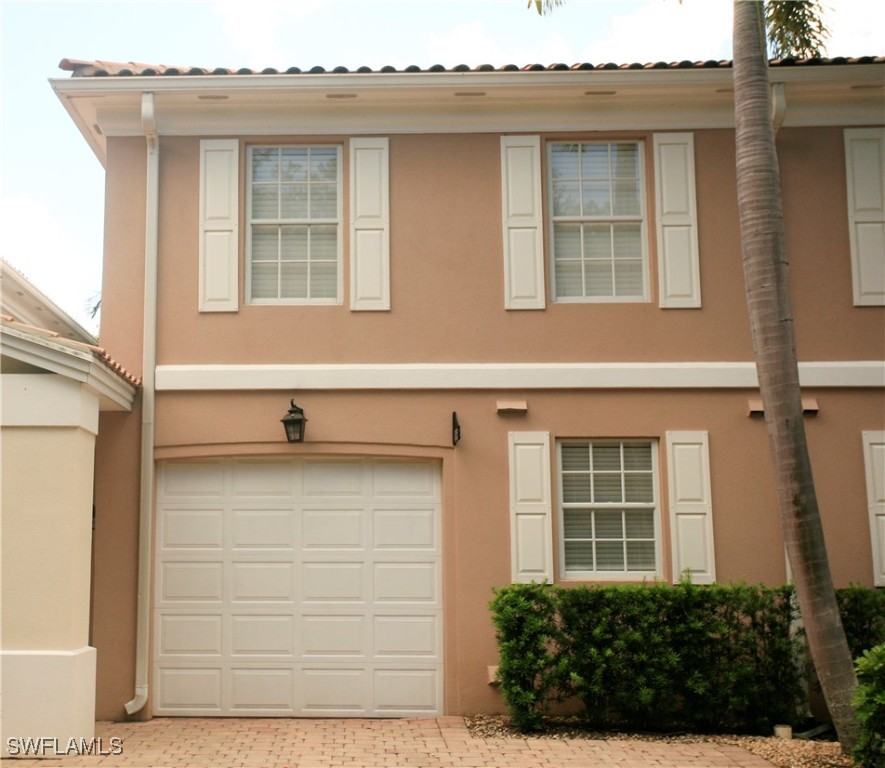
(86, 68)
(37, 336)
(21, 299)
(27, 349)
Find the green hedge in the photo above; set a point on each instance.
(659, 657)
(869, 702)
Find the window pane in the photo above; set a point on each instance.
(609, 556)
(607, 488)
(293, 201)
(578, 524)
(323, 280)
(598, 241)
(637, 456)
(638, 488)
(324, 164)
(641, 556)
(323, 243)
(293, 280)
(323, 201)
(626, 198)
(628, 278)
(569, 279)
(594, 161)
(576, 488)
(626, 241)
(625, 161)
(599, 280)
(596, 198)
(294, 244)
(293, 164)
(640, 524)
(575, 457)
(265, 201)
(609, 525)
(264, 281)
(579, 555)
(566, 198)
(265, 164)
(564, 161)
(568, 241)
(607, 457)
(265, 243)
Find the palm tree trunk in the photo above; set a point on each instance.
(771, 322)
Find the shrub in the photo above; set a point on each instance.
(869, 703)
(863, 617)
(656, 657)
(524, 616)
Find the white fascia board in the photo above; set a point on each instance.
(77, 364)
(502, 376)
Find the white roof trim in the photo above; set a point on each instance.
(503, 376)
(72, 360)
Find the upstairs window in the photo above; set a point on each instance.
(294, 240)
(609, 512)
(597, 208)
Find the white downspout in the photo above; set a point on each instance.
(778, 105)
(149, 360)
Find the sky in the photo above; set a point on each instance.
(52, 185)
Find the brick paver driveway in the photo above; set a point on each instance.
(429, 742)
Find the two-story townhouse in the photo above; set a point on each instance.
(510, 305)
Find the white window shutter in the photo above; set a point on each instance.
(865, 176)
(219, 225)
(370, 224)
(679, 277)
(874, 464)
(691, 508)
(523, 222)
(531, 525)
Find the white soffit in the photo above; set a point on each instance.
(353, 103)
(502, 376)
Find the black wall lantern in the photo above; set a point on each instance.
(456, 429)
(294, 422)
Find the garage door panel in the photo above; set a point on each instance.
(334, 691)
(302, 587)
(262, 479)
(262, 528)
(332, 529)
(324, 582)
(184, 635)
(258, 691)
(398, 479)
(406, 529)
(405, 582)
(262, 635)
(190, 690)
(332, 478)
(191, 529)
(193, 480)
(325, 636)
(406, 637)
(406, 691)
(192, 581)
(262, 582)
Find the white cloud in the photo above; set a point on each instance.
(856, 28)
(664, 30)
(471, 44)
(253, 27)
(52, 257)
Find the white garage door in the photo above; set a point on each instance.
(309, 588)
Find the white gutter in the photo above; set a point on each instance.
(149, 358)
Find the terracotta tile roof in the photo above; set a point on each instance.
(83, 68)
(98, 353)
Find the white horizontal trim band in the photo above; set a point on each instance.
(730, 375)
